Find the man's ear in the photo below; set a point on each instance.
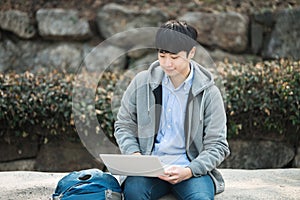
(192, 53)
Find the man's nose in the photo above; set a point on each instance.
(168, 62)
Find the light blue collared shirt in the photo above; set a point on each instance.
(170, 141)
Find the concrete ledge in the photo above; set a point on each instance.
(240, 184)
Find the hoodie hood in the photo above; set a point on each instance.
(202, 77)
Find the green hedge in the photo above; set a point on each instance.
(261, 100)
(28, 100)
(42, 104)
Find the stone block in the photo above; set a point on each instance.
(17, 148)
(17, 22)
(284, 41)
(229, 31)
(62, 156)
(258, 155)
(62, 24)
(113, 18)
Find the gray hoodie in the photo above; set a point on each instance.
(205, 121)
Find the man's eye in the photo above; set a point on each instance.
(174, 57)
(162, 56)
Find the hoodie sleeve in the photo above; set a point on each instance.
(126, 123)
(215, 145)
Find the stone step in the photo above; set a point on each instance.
(240, 184)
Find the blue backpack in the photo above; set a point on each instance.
(90, 184)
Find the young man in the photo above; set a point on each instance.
(173, 110)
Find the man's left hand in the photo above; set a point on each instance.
(176, 174)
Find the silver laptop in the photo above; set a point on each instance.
(133, 165)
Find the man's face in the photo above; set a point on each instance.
(174, 65)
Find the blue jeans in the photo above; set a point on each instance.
(146, 188)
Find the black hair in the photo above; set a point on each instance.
(175, 36)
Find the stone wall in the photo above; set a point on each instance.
(61, 38)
